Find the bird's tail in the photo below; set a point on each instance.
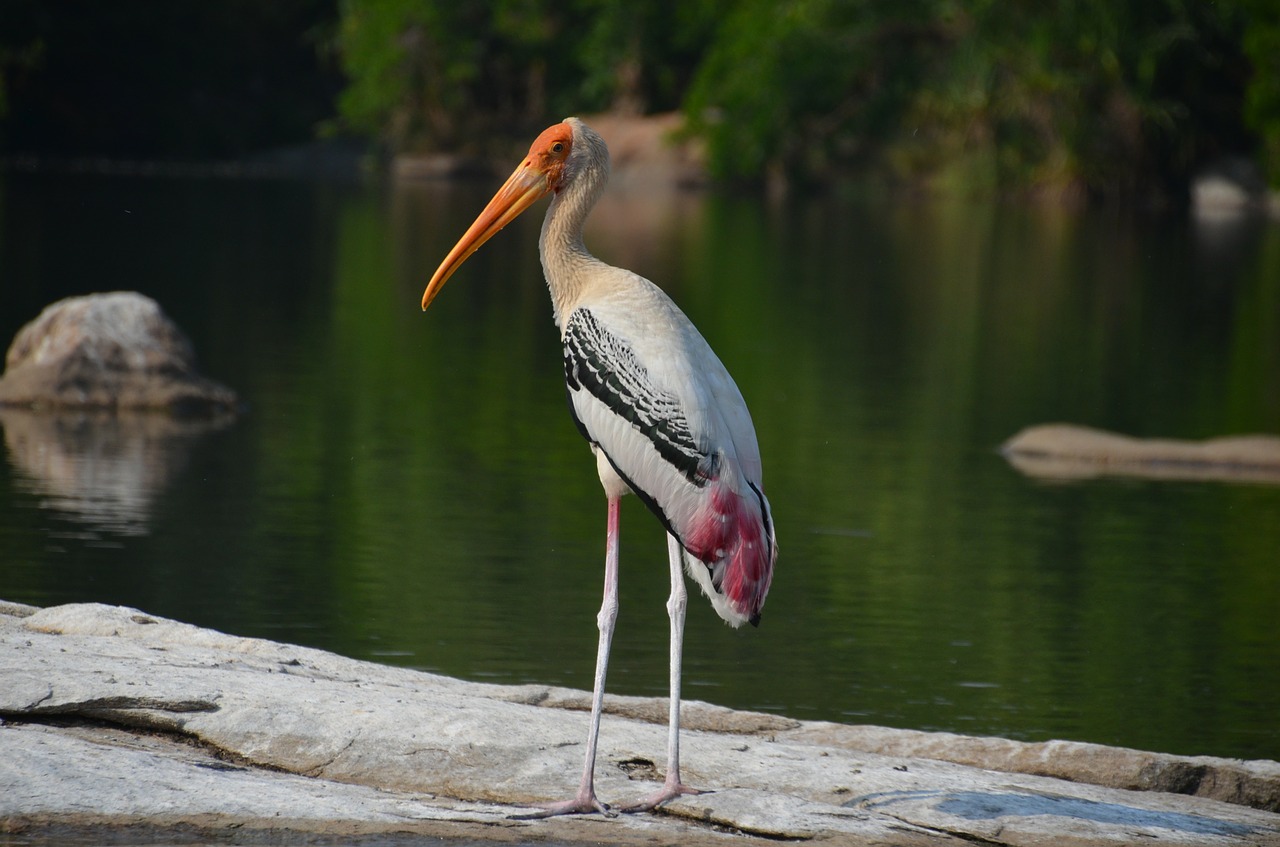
(732, 539)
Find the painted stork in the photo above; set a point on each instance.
(661, 414)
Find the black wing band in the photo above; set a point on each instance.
(597, 361)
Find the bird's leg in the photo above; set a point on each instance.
(672, 786)
(586, 801)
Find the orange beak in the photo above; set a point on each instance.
(521, 190)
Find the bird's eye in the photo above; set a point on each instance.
(558, 147)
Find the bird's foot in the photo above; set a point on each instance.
(583, 804)
(669, 791)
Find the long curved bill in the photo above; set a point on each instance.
(521, 190)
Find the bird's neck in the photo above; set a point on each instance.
(565, 260)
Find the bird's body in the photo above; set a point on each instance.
(677, 435)
(660, 411)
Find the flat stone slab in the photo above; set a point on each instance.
(115, 718)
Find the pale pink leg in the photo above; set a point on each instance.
(586, 801)
(672, 786)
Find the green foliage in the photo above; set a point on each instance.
(1096, 96)
(427, 75)
(640, 57)
(1092, 95)
(431, 73)
(1262, 104)
(1083, 97)
(796, 87)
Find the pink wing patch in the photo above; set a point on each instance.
(728, 535)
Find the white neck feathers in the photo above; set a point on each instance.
(565, 260)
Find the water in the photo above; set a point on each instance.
(409, 488)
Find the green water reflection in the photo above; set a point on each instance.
(409, 487)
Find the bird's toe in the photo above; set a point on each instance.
(662, 795)
(580, 805)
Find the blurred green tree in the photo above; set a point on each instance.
(427, 76)
(1262, 106)
(1076, 95)
(795, 88)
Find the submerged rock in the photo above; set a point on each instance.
(1068, 451)
(108, 351)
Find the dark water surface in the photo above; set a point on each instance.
(409, 488)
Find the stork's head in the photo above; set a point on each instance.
(541, 173)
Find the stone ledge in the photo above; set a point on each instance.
(113, 718)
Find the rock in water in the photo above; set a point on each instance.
(108, 351)
(1070, 451)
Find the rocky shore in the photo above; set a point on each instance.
(116, 721)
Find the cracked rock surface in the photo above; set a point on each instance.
(110, 717)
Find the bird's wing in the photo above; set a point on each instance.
(644, 423)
